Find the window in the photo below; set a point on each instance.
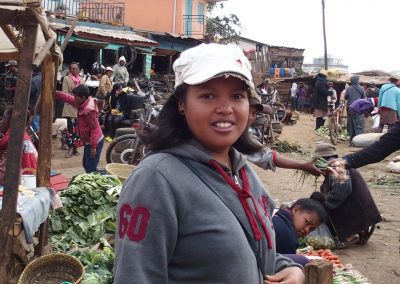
(200, 12)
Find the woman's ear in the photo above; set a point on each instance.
(296, 209)
(181, 106)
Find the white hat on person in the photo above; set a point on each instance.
(12, 63)
(122, 58)
(108, 68)
(207, 61)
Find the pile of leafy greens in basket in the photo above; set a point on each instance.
(88, 213)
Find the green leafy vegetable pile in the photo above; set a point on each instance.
(98, 264)
(89, 211)
(88, 214)
(287, 147)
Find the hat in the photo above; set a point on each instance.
(255, 102)
(122, 58)
(323, 72)
(396, 77)
(207, 61)
(108, 68)
(323, 149)
(372, 82)
(12, 63)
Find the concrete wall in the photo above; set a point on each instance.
(157, 15)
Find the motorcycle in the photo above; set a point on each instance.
(128, 148)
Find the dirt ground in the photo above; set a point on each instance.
(379, 259)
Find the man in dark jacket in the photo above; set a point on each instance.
(320, 98)
(354, 121)
(378, 151)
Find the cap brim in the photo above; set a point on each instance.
(206, 75)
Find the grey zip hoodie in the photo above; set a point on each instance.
(354, 91)
(171, 228)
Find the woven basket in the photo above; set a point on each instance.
(52, 269)
(122, 171)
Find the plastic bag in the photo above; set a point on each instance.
(320, 238)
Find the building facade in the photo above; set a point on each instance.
(177, 17)
(335, 63)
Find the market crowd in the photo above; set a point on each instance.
(194, 210)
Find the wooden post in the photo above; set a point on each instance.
(17, 128)
(319, 272)
(11, 35)
(44, 151)
(69, 34)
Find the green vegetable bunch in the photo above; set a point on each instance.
(98, 264)
(89, 211)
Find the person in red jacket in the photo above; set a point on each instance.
(88, 125)
(29, 152)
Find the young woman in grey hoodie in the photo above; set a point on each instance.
(194, 211)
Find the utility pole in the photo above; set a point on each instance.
(323, 27)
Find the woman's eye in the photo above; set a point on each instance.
(239, 96)
(207, 96)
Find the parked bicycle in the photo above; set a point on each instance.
(128, 148)
(337, 123)
(279, 109)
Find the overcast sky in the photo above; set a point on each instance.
(362, 32)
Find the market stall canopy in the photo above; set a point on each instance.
(123, 37)
(8, 48)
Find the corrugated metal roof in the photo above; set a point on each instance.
(109, 35)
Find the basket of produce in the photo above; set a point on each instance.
(122, 171)
(53, 268)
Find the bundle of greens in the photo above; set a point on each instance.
(337, 169)
(98, 264)
(89, 211)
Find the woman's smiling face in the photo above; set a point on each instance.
(217, 112)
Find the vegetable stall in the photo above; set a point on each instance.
(26, 36)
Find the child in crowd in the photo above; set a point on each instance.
(300, 219)
(71, 140)
(88, 126)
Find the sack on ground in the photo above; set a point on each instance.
(320, 238)
(366, 139)
(394, 165)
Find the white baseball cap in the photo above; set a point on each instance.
(207, 61)
(108, 68)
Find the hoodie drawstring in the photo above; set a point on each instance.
(243, 194)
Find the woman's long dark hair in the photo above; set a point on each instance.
(171, 128)
(115, 87)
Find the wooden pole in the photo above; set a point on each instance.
(69, 34)
(11, 35)
(17, 128)
(324, 31)
(45, 50)
(44, 151)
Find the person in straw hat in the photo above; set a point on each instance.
(105, 86)
(194, 197)
(320, 98)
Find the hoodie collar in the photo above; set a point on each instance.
(194, 150)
